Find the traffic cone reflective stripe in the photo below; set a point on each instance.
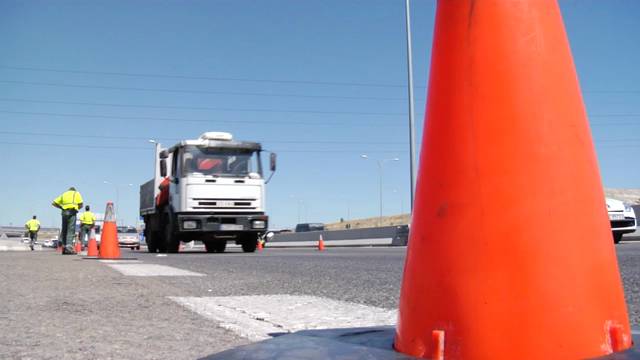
(109, 247)
(507, 158)
(437, 341)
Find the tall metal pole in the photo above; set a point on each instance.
(412, 137)
(117, 206)
(380, 193)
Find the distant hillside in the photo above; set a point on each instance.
(402, 219)
(628, 195)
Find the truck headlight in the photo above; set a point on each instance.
(627, 208)
(258, 224)
(190, 224)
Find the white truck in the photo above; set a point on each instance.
(210, 189)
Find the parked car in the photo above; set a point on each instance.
(309, 227)
(128, 237)
(622, 218)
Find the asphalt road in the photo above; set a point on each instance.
(55, 306)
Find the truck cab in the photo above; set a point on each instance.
(210, 189)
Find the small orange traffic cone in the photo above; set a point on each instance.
(78, 246)
(320, 244)
(109, 248)
(92, 247)
(507, 151)
(59, 248)
(260, 246)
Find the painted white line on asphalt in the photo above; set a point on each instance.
(151, 270)
(120, 261)
(256, 317)
(14, 248)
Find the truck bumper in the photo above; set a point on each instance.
(231, 223)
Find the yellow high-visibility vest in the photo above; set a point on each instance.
(69, 200)
(33, 225)
(87, 218)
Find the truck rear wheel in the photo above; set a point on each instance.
(172, 243)
(152, 241)
(213, 246)
(249, 243)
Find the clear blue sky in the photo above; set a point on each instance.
(329, 72)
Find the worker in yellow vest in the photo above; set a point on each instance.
(32, 226)
(87, 222)
(69, 202)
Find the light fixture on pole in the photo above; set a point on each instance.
(380, 163)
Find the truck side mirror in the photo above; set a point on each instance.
(163, 167)
(164, 154)
(272, 161)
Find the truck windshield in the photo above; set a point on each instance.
(221, 162)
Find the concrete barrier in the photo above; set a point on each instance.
(382, 236)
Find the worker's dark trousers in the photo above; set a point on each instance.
(33, 237)
(85, 232)
(68, 231)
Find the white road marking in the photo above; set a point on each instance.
(14, 248)
(151, 270)
(256, 317)
(120, 261)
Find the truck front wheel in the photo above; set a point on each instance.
(249, 243)
(213, 246)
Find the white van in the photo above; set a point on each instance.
(622, 218)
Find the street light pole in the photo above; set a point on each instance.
(116, 187)
(299, 203)
(380, 165)
(155, 163)
(412, 137)
(380, 191)
(117, 204)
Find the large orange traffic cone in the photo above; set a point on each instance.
(109, 248)
(494, 267)
(320, 243)
(92, 246)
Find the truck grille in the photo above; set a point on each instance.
(217, 203)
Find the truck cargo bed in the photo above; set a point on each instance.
(147, 198)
